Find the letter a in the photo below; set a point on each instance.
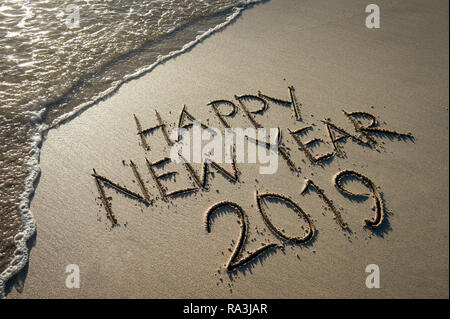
(373, 280)
(73, 280)
(373, 19)
(73, 17)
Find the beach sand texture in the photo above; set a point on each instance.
(399, 73)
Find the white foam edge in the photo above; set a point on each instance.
(20, 256)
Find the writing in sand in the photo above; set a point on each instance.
(366, 132)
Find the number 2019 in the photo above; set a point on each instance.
(234, 262)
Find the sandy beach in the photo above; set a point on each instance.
(397, 73)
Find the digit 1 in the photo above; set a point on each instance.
(310, 184)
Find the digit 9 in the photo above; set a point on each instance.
(377, 220)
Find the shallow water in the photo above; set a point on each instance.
(49, 71)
